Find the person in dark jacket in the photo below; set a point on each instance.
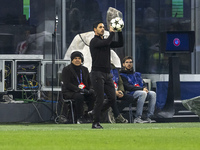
(125, 99)
(77, 85)
(100, 75)
(133, 84)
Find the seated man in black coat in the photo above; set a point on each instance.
(77, 85)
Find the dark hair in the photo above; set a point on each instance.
(96, 24)
(125, 58)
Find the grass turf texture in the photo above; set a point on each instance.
(155, 136)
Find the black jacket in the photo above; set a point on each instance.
(69, 78)
(100, 51)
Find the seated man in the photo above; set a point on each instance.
(77, 85)
(133, 83)
(121, 95)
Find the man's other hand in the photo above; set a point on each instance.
(145, 89)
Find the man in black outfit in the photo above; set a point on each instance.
(100, 75)
(77, 85)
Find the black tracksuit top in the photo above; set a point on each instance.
(100, 51)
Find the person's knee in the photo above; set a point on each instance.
(79, 98)
(143, 94)
(152, 94)
(152, 99)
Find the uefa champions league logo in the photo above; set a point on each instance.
(176, 42)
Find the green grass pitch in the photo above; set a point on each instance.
(155, 136)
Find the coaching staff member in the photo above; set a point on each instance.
(77, 85)
(101, 77)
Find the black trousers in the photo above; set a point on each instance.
(124, 102)
(102, 83)
(79, 101)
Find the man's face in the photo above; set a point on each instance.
(77, 61)
(99, 30)
(128, 64)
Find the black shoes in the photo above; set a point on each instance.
(120, 119)
(96, 125)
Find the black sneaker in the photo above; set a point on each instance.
(121, 119)
(96, 125)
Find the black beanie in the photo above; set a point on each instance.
(77, 54)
